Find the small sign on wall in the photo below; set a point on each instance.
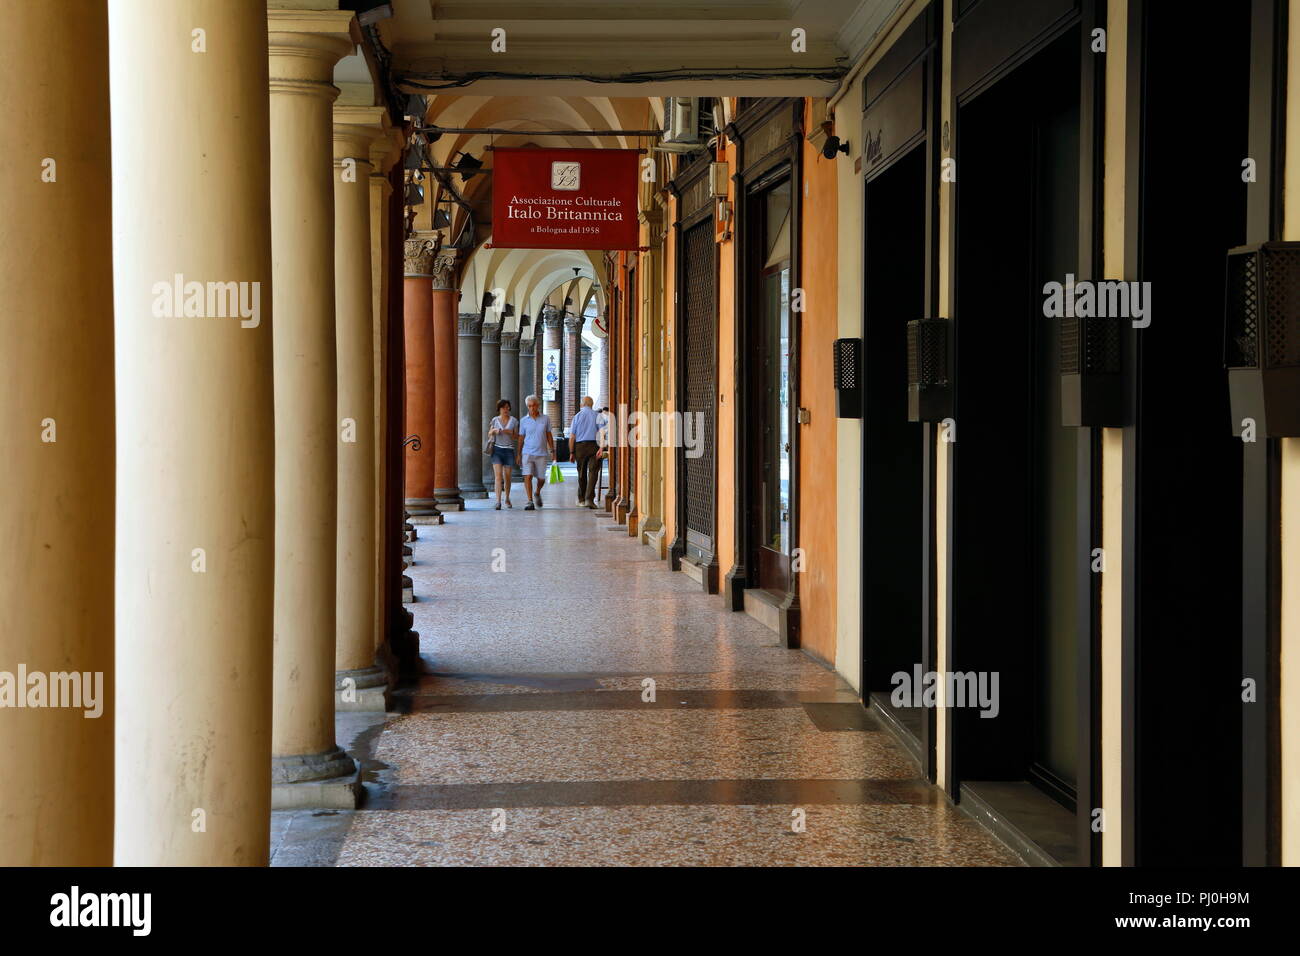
(550, 373)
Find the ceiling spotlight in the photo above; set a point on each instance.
(414, 195)
(415, 108)
(468, 166)
(834, 145)
(417, 153)
(440, 219)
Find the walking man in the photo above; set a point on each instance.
(538, 448)
(582, 431)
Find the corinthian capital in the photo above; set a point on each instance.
(574, 323)
(491, 333)
(444, 269)
(417, 256)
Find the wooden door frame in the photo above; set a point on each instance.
(692, 177)
(768, 136)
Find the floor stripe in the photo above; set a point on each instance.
(650, 793)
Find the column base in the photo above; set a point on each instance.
(426, 521)
(367, 691)
(449, 499)
(329, 780)
(408, 590)
(472, 490)
(420, 507)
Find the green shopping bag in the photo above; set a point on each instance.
(554, 476)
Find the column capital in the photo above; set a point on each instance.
(302, 48)
(418, 253)
(491, 333)
(526, 347)
(551, 316)
(385, 151)
(509, 341)
(355, 130)
(444, 270)
(574, 323)
(469, 325)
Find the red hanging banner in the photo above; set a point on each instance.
(564, 198)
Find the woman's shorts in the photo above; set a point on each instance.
(503, 456)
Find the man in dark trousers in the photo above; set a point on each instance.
(582, 433)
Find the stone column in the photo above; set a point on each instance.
(491, 391)
(384, 152)
(469, 469)
(510, 379)
(360, 684)
(421, 409)
(601, 361)
(195, 430)
(308, 768)
(572, 365)
(447, 388)
(553, 321)
(527, 372)
(56, 441)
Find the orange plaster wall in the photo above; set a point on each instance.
(726, 424)
(670, 356)
(817, 466)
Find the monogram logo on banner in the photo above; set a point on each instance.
(566, 175)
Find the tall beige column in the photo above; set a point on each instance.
(56, 440)
(195, 430)
(384, 152)
(359, 683)
(308, 768)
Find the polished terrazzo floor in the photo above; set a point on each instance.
(583, 705)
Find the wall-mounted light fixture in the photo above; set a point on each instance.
(1261, 339)
(1092, 379)
(848, 378)
(929, 382)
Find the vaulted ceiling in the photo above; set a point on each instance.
(630, 47)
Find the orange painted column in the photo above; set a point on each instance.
(421, 417)
(445, 394)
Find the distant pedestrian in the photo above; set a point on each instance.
(583, 431)
(538, 444)
(503, 427)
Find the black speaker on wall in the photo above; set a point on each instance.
(848, 378)
(929, 382)
(1092, 371)
(1261, 338)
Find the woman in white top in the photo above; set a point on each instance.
(504, 427)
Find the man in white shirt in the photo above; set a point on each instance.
(538, 448)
